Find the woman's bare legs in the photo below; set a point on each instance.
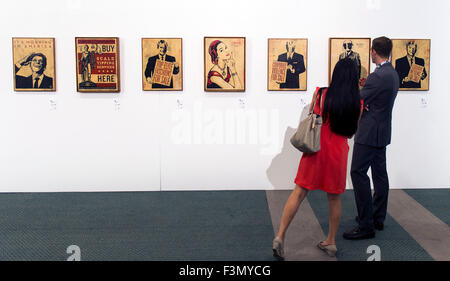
(334, 202)
(290, 209)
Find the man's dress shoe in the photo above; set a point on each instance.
(359, 233)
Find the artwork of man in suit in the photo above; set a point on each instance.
(295, 66)
(87, 63)
(403, 65)
(37, 80)
(162, 47)
(349, 53)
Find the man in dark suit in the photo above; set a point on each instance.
(403, 65)
(371, 139)
(296, 66)
(150, 68)
(37, 79)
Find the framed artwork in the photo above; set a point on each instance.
(224, 64)
(411, 60)
(357, 49)
(97, 63)
(287, 61)
(34, 64)
(162, 64)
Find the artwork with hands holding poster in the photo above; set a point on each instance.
(224, 62)
(357, 49)
(411, 60)
(287, 64)
(34, 64)
(162, 64)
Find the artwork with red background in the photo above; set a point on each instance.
(97, 64)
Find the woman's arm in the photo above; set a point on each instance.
(222, 83)
(236, 80)
(234, 75)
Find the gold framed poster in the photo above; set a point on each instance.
(224, 64)
(287, 64)
(97, 64)
(162, 64)
(357, 49)
(34, 64)
(411, 60)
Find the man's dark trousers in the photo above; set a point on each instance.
(370, 209)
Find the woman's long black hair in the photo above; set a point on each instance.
(342, 103)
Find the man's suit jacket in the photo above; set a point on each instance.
(402, 67)
(23, 82)
(151, 67)
(292, 79)
(379, 94)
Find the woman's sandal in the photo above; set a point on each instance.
(329, 249)
(277, 248)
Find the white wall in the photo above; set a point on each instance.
(88, 145)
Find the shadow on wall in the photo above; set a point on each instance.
(283, 168)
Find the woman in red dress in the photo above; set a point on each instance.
(327, 169)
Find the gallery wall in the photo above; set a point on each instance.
(192, 140)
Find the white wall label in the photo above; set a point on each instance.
(302, 102)
(242, 102)
(179, 104)
(117, 104)
(52, 104)
(423, 102)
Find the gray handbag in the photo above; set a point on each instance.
(307, 137)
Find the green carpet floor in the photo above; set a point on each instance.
(437, 201)
(191, 226)
(395, 243)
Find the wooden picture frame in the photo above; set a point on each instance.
(355, 48)
(34, 64)
(97, 62)
(228, 53)
(156, 74)
(408, 52)
(287, 66)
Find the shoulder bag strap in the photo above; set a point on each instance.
(313, 102)
(321, 101)
(317, 93)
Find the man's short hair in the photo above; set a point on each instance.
(383, 46)
(44, 60)
(287, 45)
(348, 43)
(162, 42)
(412, 42)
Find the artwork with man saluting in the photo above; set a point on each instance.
(287, 64)
(224, 64)
(161, 63)
(34, 64)
(411, 60)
